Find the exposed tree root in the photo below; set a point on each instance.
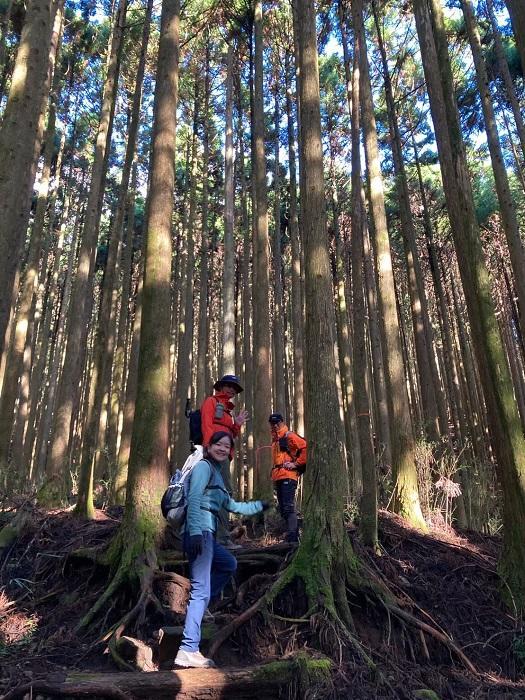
(330, 584)
(250, 584)
(229, 629)
(358, 580)
(433, 632)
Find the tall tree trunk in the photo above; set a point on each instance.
(279, 374)
(184, 355)
(362, 403)
(344, 331)
(504, 424)
(506, 204)
(120, 363)
(434, 411)
(324, 539)
(135, 542)
(228, 277)
(55, 362)
(15, 351)
(517, 19)
(247, 376)
(261, 286)
(202, 338)
(128, 412)
(504, 71)
(346, 54)
(383, 439)
(406, 498)
(454, 396)
(104, 341)
(295, 244)
(20, 139)
(82, 297)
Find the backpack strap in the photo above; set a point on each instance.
(283, 441)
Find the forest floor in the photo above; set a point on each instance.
(447, 579)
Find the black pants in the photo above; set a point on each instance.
(285, 490)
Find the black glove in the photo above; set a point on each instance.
(265, 505)
(194, 547)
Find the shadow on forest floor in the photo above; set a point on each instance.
(448, 579)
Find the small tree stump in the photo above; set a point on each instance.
(136, 653)
(172, 590)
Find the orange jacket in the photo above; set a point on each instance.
(211, 419)
(297, 454)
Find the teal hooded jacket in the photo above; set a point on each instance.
(207, 495)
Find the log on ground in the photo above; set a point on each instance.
(261, 681)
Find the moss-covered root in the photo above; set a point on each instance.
(326, 573)
(309, 676)
(131, 557)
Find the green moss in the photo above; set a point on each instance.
(425, 694)
(312, 670)
(306, 671)
(275, 669)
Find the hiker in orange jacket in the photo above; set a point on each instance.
(217, 410)
(289, 462)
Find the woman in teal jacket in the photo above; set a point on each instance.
(211, 564)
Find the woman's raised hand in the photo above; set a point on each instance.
(241, 417)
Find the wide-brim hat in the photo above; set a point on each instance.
(230, 379)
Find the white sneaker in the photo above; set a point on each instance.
(192, 659)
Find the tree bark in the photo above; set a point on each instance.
(125, 325)
(279, 374)
(104, 342)
(434, 411)
(202, 339)
(246, 291)
(506, 204)
(148, 468)
(504, 424)
(504, 71)
(295, 244)
(261, 286)
(517, 19)
(406, 498)
(15, 351)
(185, 346)
(20, 139)
(56, 355)
(82, 296)
(368, 523)
(128, 409)
(324, 539)
(228, 277)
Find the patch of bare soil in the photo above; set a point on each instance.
(447, 580)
